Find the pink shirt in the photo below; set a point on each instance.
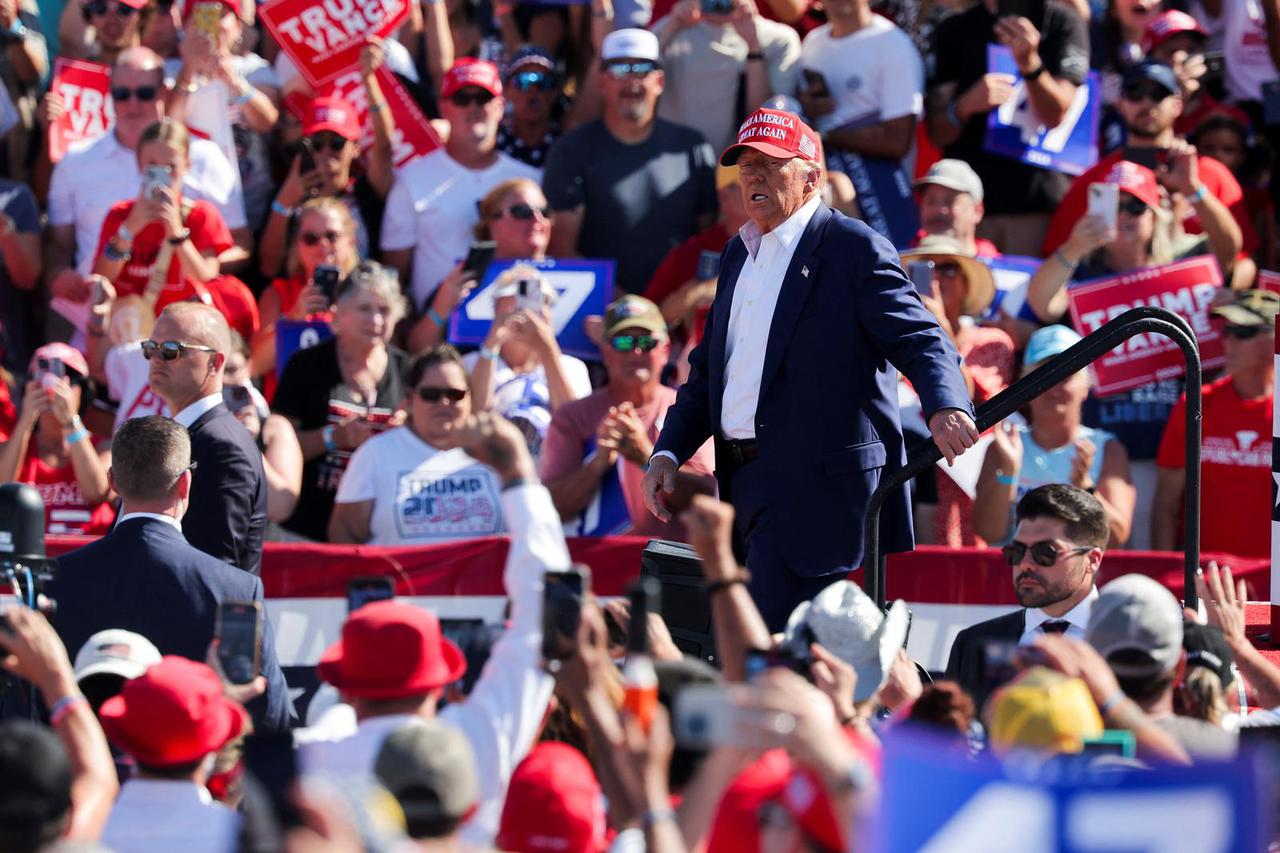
(574, 425)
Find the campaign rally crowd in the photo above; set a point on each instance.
(400, 273)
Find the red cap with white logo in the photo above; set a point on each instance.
(775, 133)
(334, 114)
(1136, 180)
(1166, 25)
(469, 71)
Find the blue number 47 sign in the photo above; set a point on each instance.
(1014, 131)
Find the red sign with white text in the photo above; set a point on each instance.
(324, 37)
(1184, 287)
(85, 89)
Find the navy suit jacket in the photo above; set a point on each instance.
(827, 422)
(965, 664)
(144, 577)
(228, 512)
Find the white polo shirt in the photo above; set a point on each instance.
(163, 816)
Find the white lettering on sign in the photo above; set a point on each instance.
(1191, 303)
(88, 110)
(334, 24)
(1017, 112)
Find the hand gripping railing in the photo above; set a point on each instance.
(1046, 376)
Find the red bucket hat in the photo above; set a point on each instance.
(776, 133)
(332, 113)
(1166, 25)
(391, 650)
(469, 71)
(172, 714)
(1138, 181)
(553, 804)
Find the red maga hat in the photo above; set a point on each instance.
(391, 650)
(172, 714)
(469, 71)
(1136, 180)
(553, 803)
(1166, 25)
(334, 114)
(776, 133)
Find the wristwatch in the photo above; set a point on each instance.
(181, 237)
(1032, 75)
(123, 234)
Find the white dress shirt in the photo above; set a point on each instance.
(163, 816)
(192, 413)
(1077, 619)
(751, 315)
(167, 519)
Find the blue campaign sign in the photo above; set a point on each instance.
(1012, 273)
(885, 196)
(936, 799)
(293, 335)
(607, 513)
(1013, 131)
(584, 288)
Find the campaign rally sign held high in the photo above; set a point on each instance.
(324, 37)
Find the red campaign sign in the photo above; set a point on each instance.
(413, 135)
(85, 89)
(324, 37)
(1184, 287)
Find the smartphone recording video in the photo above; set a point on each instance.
(561, 612)
(239, 634)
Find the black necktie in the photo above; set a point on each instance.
(1055, 626)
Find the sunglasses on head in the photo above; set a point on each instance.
(313, 238)
(1140, 92)
(98, 9)
(526, 212)
(475, 99)
(1243, 333)
(170, 350)
(528, 81)
(1043, 554)
(631, 343)
(641, 68)
(428, 394)
(123, 94)
(1133, 206)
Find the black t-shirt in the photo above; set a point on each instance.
(311, 394)
(641, 201)
(960, 48)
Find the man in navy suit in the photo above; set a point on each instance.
(228, 513)
(144, 577)
(794, 380)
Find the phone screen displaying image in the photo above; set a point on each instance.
(240, 640)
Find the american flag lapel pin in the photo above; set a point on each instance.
(804, 271)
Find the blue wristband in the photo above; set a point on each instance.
(277, 207)
(1006, 480)
(436, 318)
(78, 435)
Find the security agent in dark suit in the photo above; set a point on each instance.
(144, 577)
(228, 513)
(794, 376)
(1055, 554)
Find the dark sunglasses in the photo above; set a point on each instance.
(947, 269)
(335, 144)
(1138, 93)
(1043, 554)
(98, 9)
(1133, 206)
(622, 70)
(313, 238)
(123, 94)
(526, 212)
(475, 99)
(631, 343)
(528, 81)
(170, 350)
(427, 394)
(1243, 333)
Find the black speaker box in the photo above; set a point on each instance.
(684, 604)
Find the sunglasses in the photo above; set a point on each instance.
(622, 70)
(123, 94)
(528, 81)
(475, 99)
(1243, 333)
(428, 394)
(99, 9)
(335, 144)
(313, 238)
(170, 350)
(1138, 93)
(1043, 554)
(527, 212)
(1133, 207)
(631, 343)
(947, 269)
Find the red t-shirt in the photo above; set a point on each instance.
(1235, 468)
(681, 263)
(8, 412)
(65, 509)
(1216, 178)
(1186, 123)
(208, 231)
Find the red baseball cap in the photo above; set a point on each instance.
(69, 355)
(1166, 25)
(172, 714)
(331, 113)
(391, 650)
(553, 804)
(776, 133)
(232, 5)
(1138, 181)
(469, 71)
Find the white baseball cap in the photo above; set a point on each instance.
(115, 651)
(630, 43)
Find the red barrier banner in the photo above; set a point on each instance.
(1183, 287)
(1268, 280)
(85, 89)
(324, 37)
(414, 135)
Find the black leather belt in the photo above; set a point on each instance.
(740, 452)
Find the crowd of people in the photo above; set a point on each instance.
(232, 318)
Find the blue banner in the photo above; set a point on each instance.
(885, 196)
(584, 288)
(293, 335)
(1013, 130)
(1012, 274)
(936, 798)
(607, 513)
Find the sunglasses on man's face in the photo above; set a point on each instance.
(1133, 206)
(123, 94)
(170, 350)
(334, 143)
(631, 343)
(526, 212)
(529, 81)
(473, 99)
(1139, 93)
(429, 394)
(98, 9)
(1243, 333)
(622, 70)
(313, 238)
(1043, 554)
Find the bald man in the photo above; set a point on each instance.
(228, 505)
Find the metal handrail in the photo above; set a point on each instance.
(1046, 376)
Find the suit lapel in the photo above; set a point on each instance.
(203, 421)
(801, 275)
